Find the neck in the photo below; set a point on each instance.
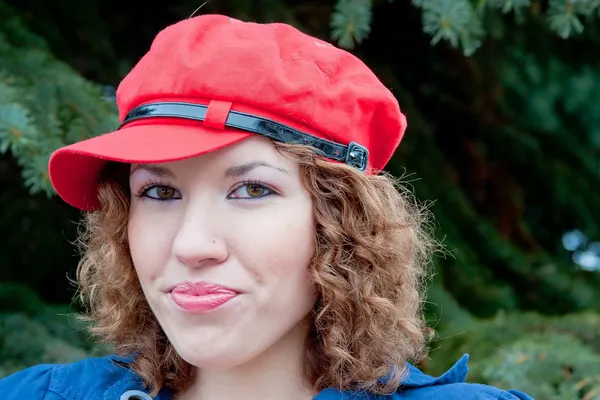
(275, 374)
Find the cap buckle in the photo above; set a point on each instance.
(357, 156)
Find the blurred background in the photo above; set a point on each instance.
(503, 106)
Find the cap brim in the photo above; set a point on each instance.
(74, 169)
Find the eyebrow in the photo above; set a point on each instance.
(157, 170)
(235, 171)
(242, 169)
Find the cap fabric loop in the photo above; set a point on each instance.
(216, 115)
(354, 154)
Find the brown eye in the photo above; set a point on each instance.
(165, 192)
(255, 190)
(251, 191)
(162, 193)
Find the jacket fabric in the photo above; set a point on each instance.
(108, 378)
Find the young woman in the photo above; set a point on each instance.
(241, 240)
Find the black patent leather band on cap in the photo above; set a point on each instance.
(354, 154)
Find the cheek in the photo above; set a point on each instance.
(278, 251)
(149, 243)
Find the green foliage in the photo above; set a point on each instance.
(33, 332)
(462, 22)
(25, 342)
(570, 369)
(546, 93)
(549, 358)
(351, 22)
(44, 103)
(506, 141)
(16, 297)
(454, 21)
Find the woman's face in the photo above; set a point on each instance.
(221, 244)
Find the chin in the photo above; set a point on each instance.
(219, 356)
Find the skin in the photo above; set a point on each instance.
(200, 220)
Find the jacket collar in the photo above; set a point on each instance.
(132, 385)
(456, 374)
(415, 379)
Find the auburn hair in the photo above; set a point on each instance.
(369, 268)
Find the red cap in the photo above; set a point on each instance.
(211, 81)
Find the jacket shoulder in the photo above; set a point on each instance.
(86, 379)
(461, 391)
(452, 385)
(31, 383)
(416, 385)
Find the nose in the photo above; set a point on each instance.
(198, 241)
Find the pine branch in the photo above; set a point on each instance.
(453, 21)
(351, 22)
(563, 19)
(507, 6)
(460, 22)
(44, 104)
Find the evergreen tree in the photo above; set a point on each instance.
(44, 103)
(504, 136)
(465, 23)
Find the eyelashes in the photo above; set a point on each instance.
(162, 190)
(253, 189)
(245, 190)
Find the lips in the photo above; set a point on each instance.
(201, 297)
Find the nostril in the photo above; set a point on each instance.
(135, 395)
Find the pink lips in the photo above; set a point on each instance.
(201, 297)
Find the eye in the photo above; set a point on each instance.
(251, 190)
(161, 193)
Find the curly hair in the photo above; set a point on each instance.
(369, 269)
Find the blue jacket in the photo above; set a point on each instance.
(101, 379)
